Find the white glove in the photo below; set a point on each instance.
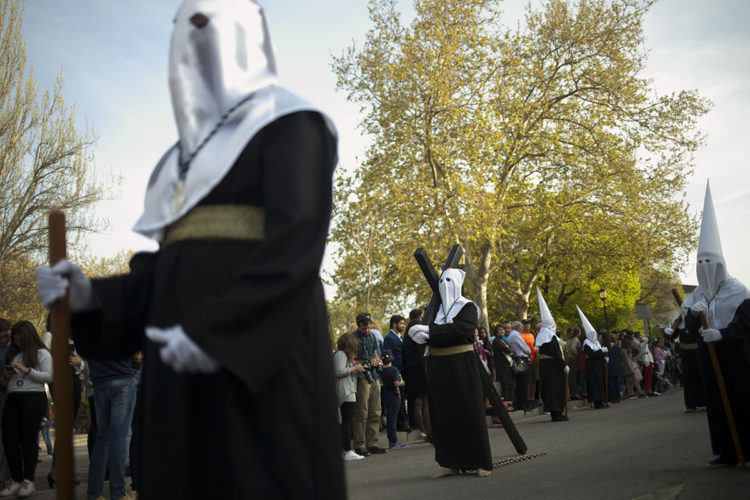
(419, 329)
(180, 352)
(53, 282)
(605, 350)
(699, 307)
(606, 359)
(711, 335)
(567, 370)
(420, 337)
(668, 331)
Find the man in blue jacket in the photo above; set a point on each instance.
(394, 342)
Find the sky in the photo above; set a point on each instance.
(114, 54)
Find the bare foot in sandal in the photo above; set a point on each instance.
(484, 473)
(445, 471)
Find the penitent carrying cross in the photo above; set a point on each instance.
(430, 313)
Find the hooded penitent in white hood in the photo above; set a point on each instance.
(722, 292)
(547, 331)
(591, 339)
(449, 286)
(222, 78)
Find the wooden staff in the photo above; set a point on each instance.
(724, 396)
(60, 320)
(566, 385)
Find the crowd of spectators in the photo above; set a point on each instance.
(381, 380)
(27, 409)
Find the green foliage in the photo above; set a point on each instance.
(541, 149)
(44, 165)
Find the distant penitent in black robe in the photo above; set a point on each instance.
(456, 399)
(594, 375)
(553, 376)
(265, 425)
(691, 377)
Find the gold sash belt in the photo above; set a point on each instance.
(688, 346)
(450, 351)
(219, 222)
(543, 356)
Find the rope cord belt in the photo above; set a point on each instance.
(450, 351)
(544, 356)
(219, 222)
(688, 346)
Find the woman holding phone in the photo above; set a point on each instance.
(28, 366)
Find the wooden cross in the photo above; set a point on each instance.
(429, 316)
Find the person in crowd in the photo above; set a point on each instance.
(723, 302)
(394, 342)
(503, 356)
(552, 368)
(367, 412)
(571, 352)
(28, 366)
(633, 380)
(346, 370)
(646, 360)
(415, 376)
(114, 399)
(521, 353)
(456, 397)
(595, 359)
(5, 327)
(614, 370)
(533, 367)
(392, 383)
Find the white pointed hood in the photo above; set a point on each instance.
(547, 331)
(452, 301)
(711, 268)
(591, 339)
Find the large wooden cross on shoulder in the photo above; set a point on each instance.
(429, 316)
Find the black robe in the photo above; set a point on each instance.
(733, 355)
(552, 375)
(258, 309)
(456, 398)
(691, 377)
(594, 375)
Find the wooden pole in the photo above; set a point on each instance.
(567, 394)
(60, 320)
(724, 396)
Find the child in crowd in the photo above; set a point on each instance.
(391, 379)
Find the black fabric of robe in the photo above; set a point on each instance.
(414, 366)
(691, 378)
(456, 398)
(730, 352)
(258, 309)
(594, 374)
(552, 374)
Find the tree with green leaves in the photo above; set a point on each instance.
(541, 149)
(45, 165)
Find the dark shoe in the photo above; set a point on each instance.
(720, 462)
(403, 428)
(376, 451)
(561, 418)
(362, 452)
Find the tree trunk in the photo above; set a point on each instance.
(478, 273)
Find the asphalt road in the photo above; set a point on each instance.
(644, 449)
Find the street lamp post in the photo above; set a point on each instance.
(603, 296)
